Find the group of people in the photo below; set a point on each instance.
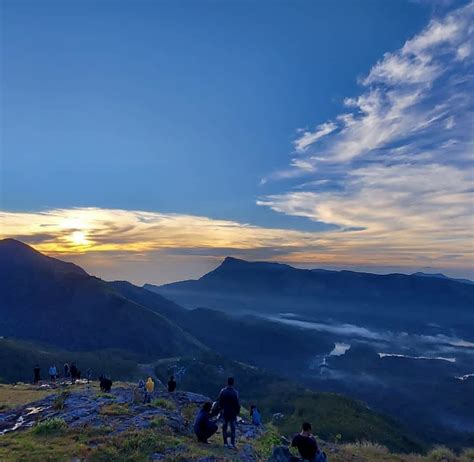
(70, 372)
(228, 407)
(149, 386)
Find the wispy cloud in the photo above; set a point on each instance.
(401, 153)
(115, 243)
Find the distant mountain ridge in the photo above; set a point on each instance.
(442, 276)
(272, 288)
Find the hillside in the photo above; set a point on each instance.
(269, 345)
(46, 300)
(333, 414)
(82, 424)
(18, 358)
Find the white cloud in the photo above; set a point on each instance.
(309, 138)
(402, 154)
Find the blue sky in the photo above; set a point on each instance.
(272, 117)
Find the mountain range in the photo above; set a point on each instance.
(257, 318)
(405, 302)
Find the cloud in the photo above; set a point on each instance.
(309, 138)
(401, 154)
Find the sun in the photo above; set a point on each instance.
(78, 238)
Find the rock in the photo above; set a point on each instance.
(282, 454)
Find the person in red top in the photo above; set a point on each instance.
(306, 443)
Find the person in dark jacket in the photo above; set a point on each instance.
(171, 384)
(36, 374)
(74, 371)
(204, 427)
(66, 370)
(306, 443)
(229, 404)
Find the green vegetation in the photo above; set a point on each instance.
(163, 403)
(105, 395)
(331, 414)
(17, 362)
(55, 426)
(115, 409)
(132, 447)
(60, 400)
(17, 395)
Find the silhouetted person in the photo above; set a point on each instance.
(230, 408)
(36, 374)
(74, 371)
(66, 370)
(105, 384)
(171, 384)
(306, 443)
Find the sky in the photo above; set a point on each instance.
(147, 140)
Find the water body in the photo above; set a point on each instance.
(432, 358)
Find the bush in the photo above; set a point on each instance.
(367, 447)
(60, 400)
(53, 426)
(441, 453)
(114, 409)
(158, 422)
(164, 403)
(467, 455)
(131, 447)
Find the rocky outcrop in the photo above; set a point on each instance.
(282, 454)
(123, 410)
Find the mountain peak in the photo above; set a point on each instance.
(16, 253)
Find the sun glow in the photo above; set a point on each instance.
(79, 238)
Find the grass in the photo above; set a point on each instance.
(20, 394)
(115, 409)
(132, 447)
(164, 404)
(264, 445)
(60, 401)
(55, 426)
(104, 395)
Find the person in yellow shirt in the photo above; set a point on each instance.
(149, 387)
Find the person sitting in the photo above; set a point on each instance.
(171, 384)
(306, 443)
(255, 415)
(204, 427)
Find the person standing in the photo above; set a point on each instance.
(229, 404)
(66, 370)
(171, 384)
(149, 388)
(74, 372)
(36, 374)
(53, 372)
